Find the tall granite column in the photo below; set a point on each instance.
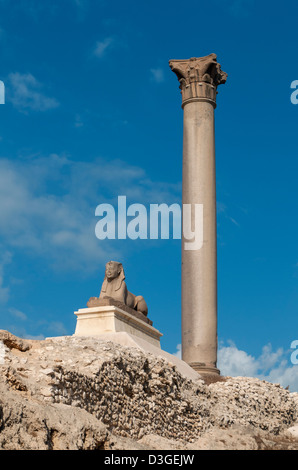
(199, 78)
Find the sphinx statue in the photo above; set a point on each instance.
(114, 288)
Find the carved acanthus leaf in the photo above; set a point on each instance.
(205, 71)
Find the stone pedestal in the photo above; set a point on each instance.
(199, 78)
(99, 320)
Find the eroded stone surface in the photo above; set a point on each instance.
(87, 393)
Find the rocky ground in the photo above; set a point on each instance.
(86, 393)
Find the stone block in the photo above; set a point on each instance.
(99, 320)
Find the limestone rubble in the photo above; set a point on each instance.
(86, 393)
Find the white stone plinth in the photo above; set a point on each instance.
(96, 321)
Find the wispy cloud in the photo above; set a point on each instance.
(23, 330)
(17, 314)
(223, 211)
(5, 259)
(56, 328)
(82, 8)
(46, 223)
(25, 92)
(101, 47)
(47, 206)
(157, 75)
(78, 121)
(234, 221)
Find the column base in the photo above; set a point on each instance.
(204, 369)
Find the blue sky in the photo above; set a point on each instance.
(93, 111)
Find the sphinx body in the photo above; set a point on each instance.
(115, 287)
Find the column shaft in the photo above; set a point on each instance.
(199, 78)
(199, 280)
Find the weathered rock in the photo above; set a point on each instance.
(87, 393)
(13, 342)
(32, 424)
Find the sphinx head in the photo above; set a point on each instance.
(113, 270)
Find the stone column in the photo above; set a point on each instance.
(199, 78)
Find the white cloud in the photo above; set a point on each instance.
(55, 225)
(47, 206)
(234, 362)
(57, 328)
(157, 75)
(102, 46)
(25, 93)
(178, 352)
(78, 121)
(272, 366)
(222, 211)
(5, 259)
(220, 207)
(234, 221)
(23, 330)
(17, 314)
(82, 8)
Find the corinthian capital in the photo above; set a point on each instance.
(199, 77)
